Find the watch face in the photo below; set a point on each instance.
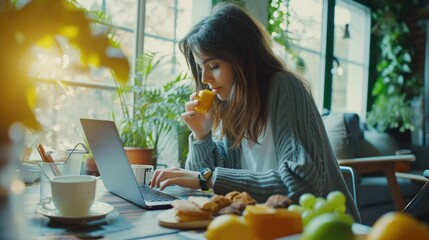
(207, 173)
(203, 177)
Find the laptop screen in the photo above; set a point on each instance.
(112, 162)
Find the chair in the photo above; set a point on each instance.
(372, 157)
(351, 180)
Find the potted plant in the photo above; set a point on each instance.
(150, 112)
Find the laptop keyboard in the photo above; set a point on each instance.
(152, 195)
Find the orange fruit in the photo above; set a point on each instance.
(205, 98)
(229, 227)
(398, 226)
(270, 223)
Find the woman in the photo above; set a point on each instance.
(271, 137)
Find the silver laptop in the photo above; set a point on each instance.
(112, 163)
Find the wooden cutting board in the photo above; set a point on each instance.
(167, 218)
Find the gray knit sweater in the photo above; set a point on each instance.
(306, 162)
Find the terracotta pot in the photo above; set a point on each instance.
(91, 167)
(138, 155)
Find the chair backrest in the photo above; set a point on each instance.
(350, 138)
(351, 181)
(344, 133)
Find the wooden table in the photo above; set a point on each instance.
(386, 164)
(145, 223)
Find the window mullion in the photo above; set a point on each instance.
(140, 33)
(329, 49)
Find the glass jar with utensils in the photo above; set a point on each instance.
(62, 163)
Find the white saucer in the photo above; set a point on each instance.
(98, 210)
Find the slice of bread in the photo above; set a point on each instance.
(188, 211)
(204, 203)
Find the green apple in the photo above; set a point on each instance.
(332, 226)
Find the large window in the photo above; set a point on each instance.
(306, 28)
(64, 96)
(349, 74)
(351, 57)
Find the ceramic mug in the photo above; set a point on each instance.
(143, 173)
(50, 170)
(73, 195)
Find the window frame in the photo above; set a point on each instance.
(329, 10)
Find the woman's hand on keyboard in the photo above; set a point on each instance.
(175, 176)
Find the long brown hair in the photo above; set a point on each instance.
(230, 33)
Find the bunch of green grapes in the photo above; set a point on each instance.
(311, 206)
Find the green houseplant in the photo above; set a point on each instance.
(396, 86)
(149, 112)
(279, 13)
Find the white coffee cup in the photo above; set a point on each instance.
(143, 173)
(73, 195)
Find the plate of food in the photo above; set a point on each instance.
(198, 212)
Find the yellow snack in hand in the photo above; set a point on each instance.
(205, 98)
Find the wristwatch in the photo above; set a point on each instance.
(203, 177)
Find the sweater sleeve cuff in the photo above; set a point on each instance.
(200, 147)
(224, 180)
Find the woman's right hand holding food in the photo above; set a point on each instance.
(197, 115)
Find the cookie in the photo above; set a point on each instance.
(232, 194)
(278, 201)
(221, 201)
(235, 208)
(245, 198)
